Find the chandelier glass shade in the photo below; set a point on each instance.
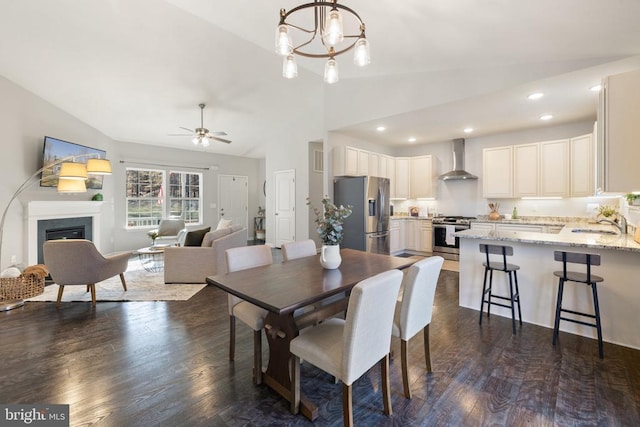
(325, 39)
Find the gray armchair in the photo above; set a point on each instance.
(170, 231)
(78, 262)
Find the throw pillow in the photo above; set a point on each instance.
(224, 223)
(194, 238)
(214, 235)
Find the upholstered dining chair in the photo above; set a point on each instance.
(298, 249)
(78, 262)
(243, 258)
(348, 348)
(414, 310)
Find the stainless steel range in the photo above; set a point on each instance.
(445, 244)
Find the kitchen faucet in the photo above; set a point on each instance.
(622, 226)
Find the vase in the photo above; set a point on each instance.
(330, 257)
(494, 216)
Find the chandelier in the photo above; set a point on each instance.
(326, 39)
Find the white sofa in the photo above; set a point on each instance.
(192, 264)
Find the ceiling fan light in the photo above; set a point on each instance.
(331, 71)
(362, 55)
(205, 142)
(196, 140)
(333, 30)
(289, 67)
(284, 44)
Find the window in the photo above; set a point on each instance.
(148, 202)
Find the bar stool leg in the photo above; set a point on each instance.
(484, 291)
(513, 314)
(596, 307)
(556, 326)
(515, 276)
(490, 292)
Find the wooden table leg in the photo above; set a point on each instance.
(281, 329)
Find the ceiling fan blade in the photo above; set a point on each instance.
(226, 141)
(218, 133)
(187, 129)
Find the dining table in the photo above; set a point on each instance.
(284, 288)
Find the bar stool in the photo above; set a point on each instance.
(510, 269)
(588, 279)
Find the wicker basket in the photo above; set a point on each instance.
(19, 288)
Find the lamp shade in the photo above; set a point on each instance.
(72, 170)
(331, 71)
(71, 186)
(289, 67)
(98, 167)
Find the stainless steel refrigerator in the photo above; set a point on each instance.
(367, 228)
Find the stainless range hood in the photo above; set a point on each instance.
(458, 171)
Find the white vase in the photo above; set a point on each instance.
(330, 256)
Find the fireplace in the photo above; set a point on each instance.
(63, 228)
(64, 215)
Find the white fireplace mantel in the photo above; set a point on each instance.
(41, 210)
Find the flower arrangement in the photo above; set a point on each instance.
(329, 221)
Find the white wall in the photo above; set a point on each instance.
(24, 121)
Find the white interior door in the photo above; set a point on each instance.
(285, 215)
(233, 198)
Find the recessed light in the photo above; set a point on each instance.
(595, 88)
(535, 95)
(468, 130)
(546, 117)
(412, 139)
(380, 128)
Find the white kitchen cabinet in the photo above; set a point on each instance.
(382, 166)
(363, 162)
(482, 226)
(396, 236)
(497, 172)
(425, 236)
(345, 161)
(554, 168)
(520, 227)
(421, 182)
(619, 133)
(581, 166)
(411, 234)
(373, 165)
(526, 170)
(403, 178)
(391, 174)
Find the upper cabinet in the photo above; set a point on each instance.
(345, 161)
(581, 166)
(554, 168)
(497, 172)
(422, 180)
(403, 178)
(560, 168)
(619, 133)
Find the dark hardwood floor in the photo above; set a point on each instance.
(165, 364)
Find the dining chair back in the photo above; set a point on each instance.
(243, 258)
(414, 310)
(348, 348)
(298, 249)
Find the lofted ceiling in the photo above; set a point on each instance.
(136, 70)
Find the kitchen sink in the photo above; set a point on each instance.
(593, 231)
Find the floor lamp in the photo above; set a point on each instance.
(71, 179)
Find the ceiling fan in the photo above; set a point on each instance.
(202, 136)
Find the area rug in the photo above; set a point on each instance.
(141, 285)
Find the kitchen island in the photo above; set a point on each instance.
(619, 294)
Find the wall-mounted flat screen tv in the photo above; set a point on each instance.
(57, 149)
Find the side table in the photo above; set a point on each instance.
(152, 258)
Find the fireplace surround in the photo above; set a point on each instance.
(38, 211)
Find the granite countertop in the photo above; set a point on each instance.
(566, 237)
(533, 220)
